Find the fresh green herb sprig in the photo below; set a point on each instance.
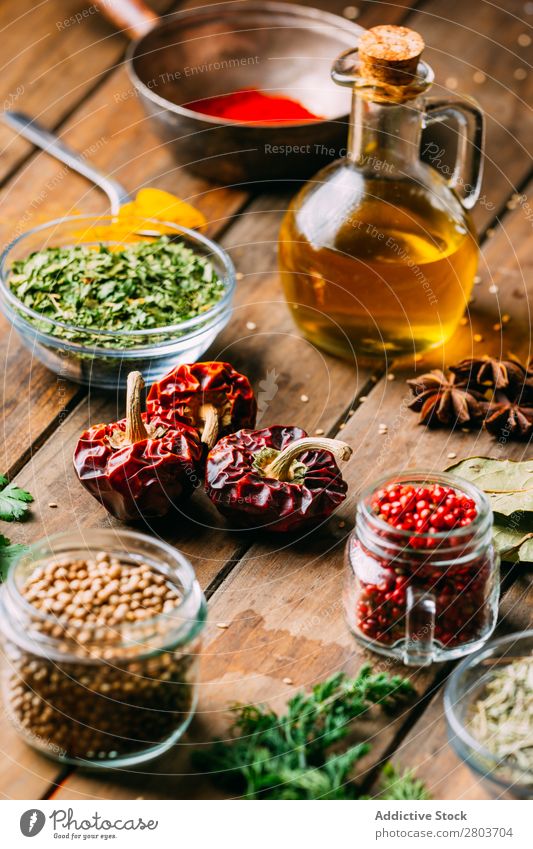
(13, 501)
(289, 756)
(14, 504)
(400, 786)
(8, 553)
(140, 286)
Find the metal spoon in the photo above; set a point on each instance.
(39, 136)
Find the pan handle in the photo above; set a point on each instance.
(134, 17)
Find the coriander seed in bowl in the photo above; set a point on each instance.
(101, 645)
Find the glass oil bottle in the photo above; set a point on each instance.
(378, 252)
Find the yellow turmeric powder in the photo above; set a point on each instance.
(156, 203)
(148, 203)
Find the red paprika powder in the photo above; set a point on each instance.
(252, 106)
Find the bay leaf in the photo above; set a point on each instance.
(525, 552)
(508, 483)
(513, 536)
(513, 545)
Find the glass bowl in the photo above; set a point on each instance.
(103, 358)
(465, 686)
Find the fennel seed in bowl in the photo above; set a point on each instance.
(502, 719)
(136, 286)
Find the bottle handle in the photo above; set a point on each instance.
(419, 627)
(467, 173)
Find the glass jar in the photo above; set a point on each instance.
(421, 597)
(94, 696)
(378, 251)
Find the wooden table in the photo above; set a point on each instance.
(283, 606)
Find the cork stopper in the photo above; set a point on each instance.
(390, 54)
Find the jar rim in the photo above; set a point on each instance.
(191, 598)
(421, 476)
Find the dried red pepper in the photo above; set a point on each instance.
(211, 397)
(139, 466)
(277, 478)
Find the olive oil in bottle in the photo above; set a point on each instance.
(378, 252)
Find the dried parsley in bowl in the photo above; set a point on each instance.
(139, 286)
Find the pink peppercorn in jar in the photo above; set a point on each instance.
(422, 575)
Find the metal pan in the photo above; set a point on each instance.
(198, 53)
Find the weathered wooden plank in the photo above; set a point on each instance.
(34, 400)
(462, 50)
(109, 144)
(426, 748)
(368, 13)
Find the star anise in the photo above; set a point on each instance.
(442, 400)
(508, 419)
(484, 373)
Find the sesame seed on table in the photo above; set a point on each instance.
(275, 620)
